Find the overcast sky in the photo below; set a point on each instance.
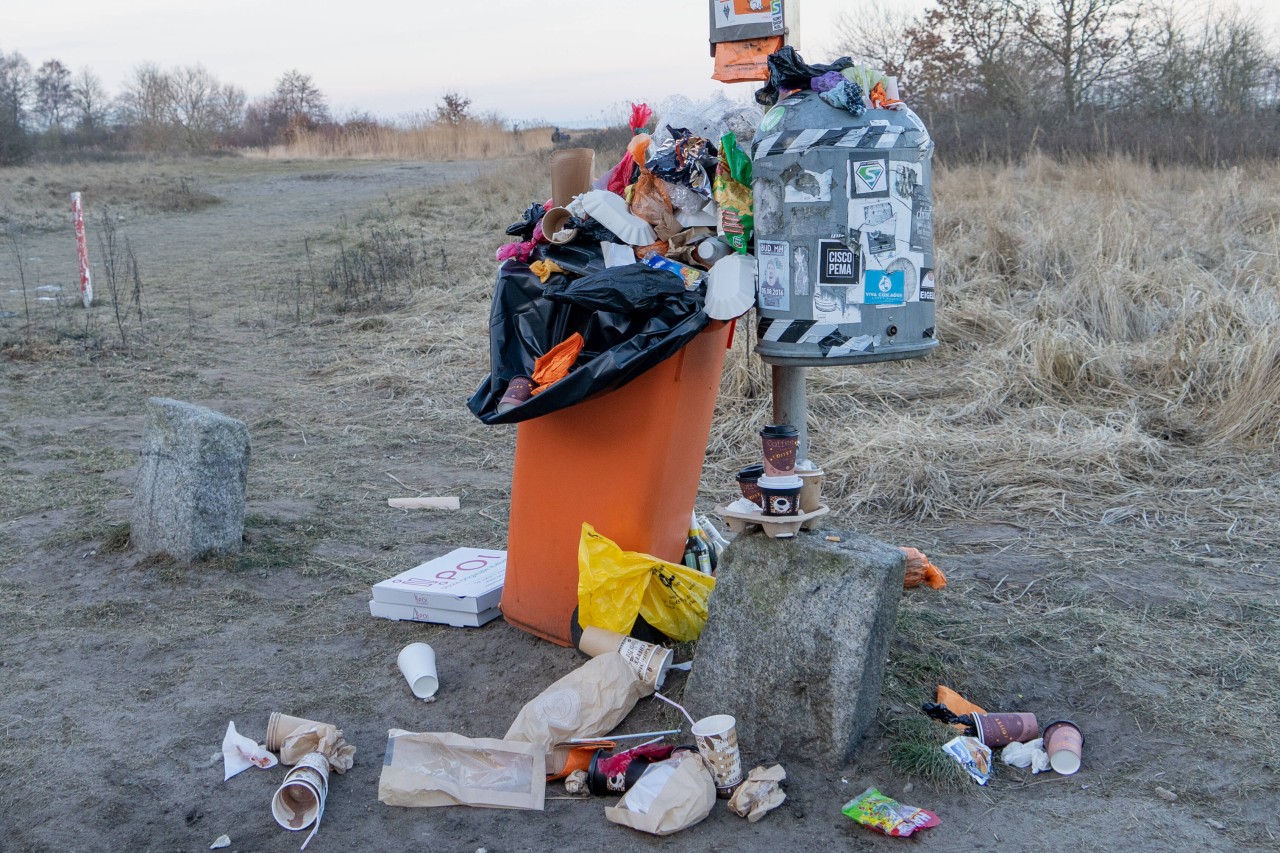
(565, 61)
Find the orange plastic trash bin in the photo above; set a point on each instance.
(628, 462)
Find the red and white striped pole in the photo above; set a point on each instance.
(86, 283)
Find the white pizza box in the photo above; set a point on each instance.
(467, 580)
(456, 618)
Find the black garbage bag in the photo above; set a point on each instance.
(631, 318)
(788, 71)
(529, 222)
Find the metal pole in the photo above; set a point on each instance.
(790, 405)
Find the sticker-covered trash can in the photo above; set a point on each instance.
(844, 234)
(628, 461)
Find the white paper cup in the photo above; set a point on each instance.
(418, 665)
(717, 739)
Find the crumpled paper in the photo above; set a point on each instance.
(239, 754)
(760, 794)
(322, 738)
(1031, 754)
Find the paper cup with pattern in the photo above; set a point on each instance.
(717, 739)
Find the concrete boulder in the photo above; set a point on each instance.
(795, 644)
(189, 498)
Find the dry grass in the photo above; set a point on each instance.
(470, 140)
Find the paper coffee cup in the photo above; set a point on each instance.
(780, 495)
(418, 666)
(553, 222)
(780, 443)
(650, 661)
(570, 173)
(749, 482)
(717, 739)
(280, 726)
(997, 730)
(810, 489)
(1064, 742)
(299, 801)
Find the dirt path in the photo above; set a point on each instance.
(119, 674)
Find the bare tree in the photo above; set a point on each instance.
(53, 94)
(146, 104)
(194, 92)
(15, 98)
(1084, 39)
(875, 36)
(454, 108)
(89, 101)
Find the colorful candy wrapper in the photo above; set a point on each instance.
(974, 756)
(691, 276)
(872, 808)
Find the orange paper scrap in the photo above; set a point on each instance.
(744, 61)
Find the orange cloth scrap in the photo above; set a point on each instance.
(545, 269)
(558, 361)
(920, 570)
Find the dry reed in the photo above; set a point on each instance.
(469, 140)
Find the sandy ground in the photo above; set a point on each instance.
(118, 674)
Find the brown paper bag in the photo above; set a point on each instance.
(446, 769)
(671, 795)
(588, 702)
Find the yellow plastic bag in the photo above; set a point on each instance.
(615, 585)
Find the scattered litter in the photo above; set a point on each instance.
(834, 539)
(635, 736)
(222, 841)
(1166, 795)
(445, 769)
(299, 801)
(417, 662)
(956, 704)
(1215, 824)
(424, 503)
(587, 702)
(239, 754)
(576, 784)
(671, 795)
(973, 755)
(883, 814)
(921, 571)
(1029, 754)
(461, 589)
(294, 738)
(908, 788)
(760, 794)
(744, 505)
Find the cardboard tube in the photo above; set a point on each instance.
(552, 222)
(599, 641)
(280, 726)
(570, 174)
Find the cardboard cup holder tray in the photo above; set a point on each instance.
(775, 526)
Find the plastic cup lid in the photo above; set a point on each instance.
(790, 482)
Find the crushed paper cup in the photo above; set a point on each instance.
(299, 801)
(239, 754)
